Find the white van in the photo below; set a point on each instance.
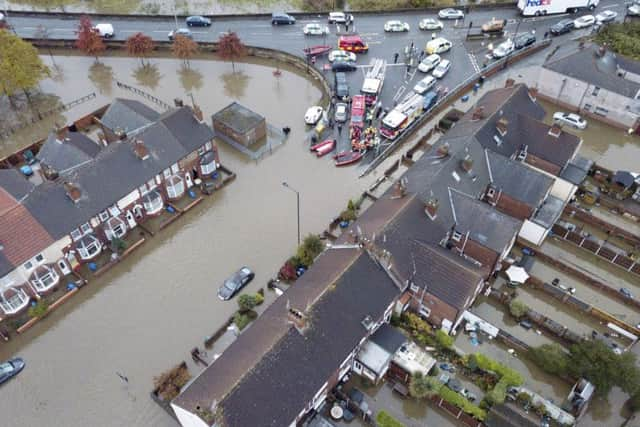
(438, 45)
(105, 30)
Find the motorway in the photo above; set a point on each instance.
(467, 57)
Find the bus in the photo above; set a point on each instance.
(402, 116)
(547, 7)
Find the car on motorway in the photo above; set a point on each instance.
(561, 27)
(584, 21)
(233, 284)
(104, 30)
(570, 119)
(430, 24)
(524, 40)
(429, 63)
(450, 13)
(626, 292)
(10, 369)
(443, 68)
(184, 32)
(396, 26)
(341, 113)
(343, 66)
(281, 18)
(315, 29)
(606, 16)
(504, 49)
(424, 85)
(437, 45)
(339, 18)
(313, 114)
(342, 55)
(198, 21)
(633, 10)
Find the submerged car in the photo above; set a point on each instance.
(430, 24)
(198, 21)
(233, 284)
(396, 26)
(10, 369)
(570, 119)
(313, 114)
(315, 29)
(450, 13)
(184, 32)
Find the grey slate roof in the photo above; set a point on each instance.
(585, 65)
(289, 375)
(549, 212)
(484, 224)
(577, 170)
(389, 338)
(115, 172)
(238, 117)
(15, 183)
(71, 151)
(517, 180)
(446, 275)
(128, 115)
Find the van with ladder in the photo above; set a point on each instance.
(373, 81)
(402, 116)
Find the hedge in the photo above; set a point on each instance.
(463, 403)
(507, 375)
(383, 419)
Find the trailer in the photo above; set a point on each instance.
(548, 7)
(373, 81)
(402, 116)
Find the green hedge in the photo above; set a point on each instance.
(383, 419)
(507, 375)
(622, 38)
(463, 403)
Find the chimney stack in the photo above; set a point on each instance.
(555, 130)
(509, 82)
(178, 102)
(73, 192)
(399, 190)
(533, 93)
(431, 207)
(502, 126)
(140, 149)
(443, 150)
(478, 113)
(197, 112)
(467, 163)
(61, 134)
(298, 319)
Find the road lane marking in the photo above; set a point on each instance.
(474, 62)
(399, 93)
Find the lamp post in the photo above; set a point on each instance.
(284, 184)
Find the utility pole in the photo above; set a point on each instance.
(284, 184)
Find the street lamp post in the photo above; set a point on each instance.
(284, 184)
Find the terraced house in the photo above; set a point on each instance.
(80, 194)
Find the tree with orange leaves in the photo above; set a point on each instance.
(139, 45)
(231, 48)
(89, 41)
(184, 48)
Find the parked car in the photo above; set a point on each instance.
(104, 30)
(313, 114)
(450, 13)
(430, 100)
(606, 16)
(561, 27)
(494, 26)
(343, 66)
(341, 86)
(339, 18)
(633, 10)
(503, 49)
(429, 63)
(198, 21)
(570, 119)
(396, 26)
(626, 292)
(584, 21)
(342, 55)
(447, 367)
(430, 24)
(184, 32)
(526, 324)
(315, 29)
(469, 395)
(454, 385)
(424, 85)
(281, 18)
(524, 40)
(233, 284)
(341, 113)
(442, 69)
(437, 45)
(10, 369)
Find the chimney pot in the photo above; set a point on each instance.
(443, 150)
(178, 102)
(555, 130)
(533, 93)
(509, 82)
(197, 112)
(478, 113)
(298, 319)
(73, 192)
(431, 208)
(141, 150)
(467, 163)
(502, 126)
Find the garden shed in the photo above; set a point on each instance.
(239, 124)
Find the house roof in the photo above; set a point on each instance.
(602, 71)
(447, 276)
(128, 115)
(389, 338)
(21, 236)
(577, 170)
(116, 171)
(484, 224)
(505, 415)
(374, 357)
(238, 118)
(291, 373)
(70, 151)
(549, 212)
(14, 183)
(517, 180)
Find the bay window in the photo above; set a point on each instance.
(89, 247)
(44, 278)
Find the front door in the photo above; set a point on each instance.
(131, 221)
(187, 177)
(64, 267)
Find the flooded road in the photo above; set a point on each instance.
(145, 315)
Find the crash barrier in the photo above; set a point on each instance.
(39, 116)
(584, 216)
(452, 96)
(597, 248)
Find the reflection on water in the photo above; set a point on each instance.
(102, 76)
(235, 84)
(190, 78)
(147, 75)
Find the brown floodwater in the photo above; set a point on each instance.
(147, 313)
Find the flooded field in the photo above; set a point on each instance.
(610, 147)
(145, 315)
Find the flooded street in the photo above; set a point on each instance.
(145, 315)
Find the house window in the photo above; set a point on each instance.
(15, 302)
(175, 187)
(587, 107)
(85, 228)
(414, 288)
(595, 91)
(601, 111)
(114, 210)
(166, 173)
(104, 215)
(28, 265)
(76, 234)
(424, 312)
(142, 189)
(208, 145)
(89, 247)
(175, 168)
(455, 236)
(202, 150)
(151, 184)
(152, 202)
(116, 228)
(44, 278)
(208, 163)
(357, 365)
